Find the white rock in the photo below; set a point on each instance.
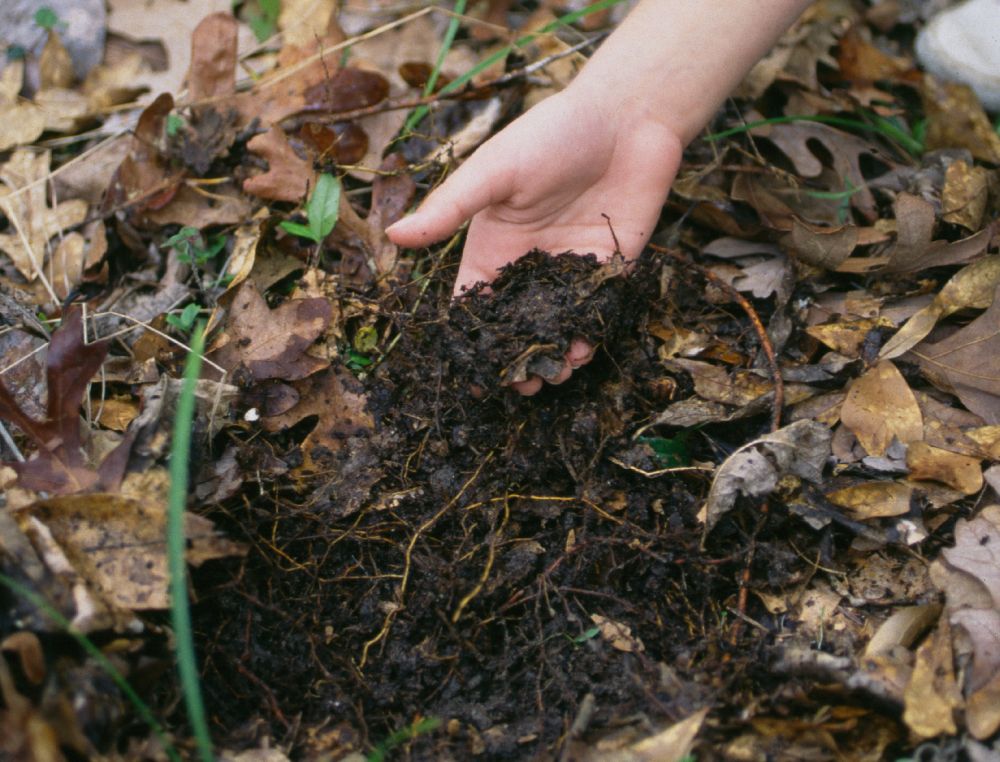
(962, 44)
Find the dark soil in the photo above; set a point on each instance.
(464, 587)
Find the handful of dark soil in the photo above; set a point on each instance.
(523, 323)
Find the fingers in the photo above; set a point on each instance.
(580, 352)
(478, 183)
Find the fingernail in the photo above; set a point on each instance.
(402, 225)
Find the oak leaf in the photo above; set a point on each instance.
(272, 343)
(23, 200)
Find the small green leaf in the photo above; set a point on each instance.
(174, 124)
(586, 635)
(358, 360)
(185, 320)
(366, 340)
(671, 453)
(300, 230)
(184, 235)
(46, 18)
(324, 206)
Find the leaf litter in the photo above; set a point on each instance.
(666, 554)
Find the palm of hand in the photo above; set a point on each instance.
(561, 177)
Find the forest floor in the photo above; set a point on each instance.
(762, 524)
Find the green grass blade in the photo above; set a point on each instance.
(449, 38)
(180, 612)
(141, 708)
(883, 128)
(460, 81)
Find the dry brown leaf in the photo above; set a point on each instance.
(288, 177)
(670, 745)
(21, 122)
(932, 696)
(172, 23)
(212, 71)
(800, 449)
(955, 119)
(820, 246)
(880, 407)
(845, 149)
(302, 21)
(29, 211)
(969, 575)
(55, 67)
(849, 337)
(618, 635)
(972, 287)
(272, 343)
(118, 544)
(914, 250)
(199, 209)
(965, 193)
(875, 499)
(967, 363)
(958, 471)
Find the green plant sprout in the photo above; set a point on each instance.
(184, 322)
(192, 248)
(417, 728)
(322, 211)
(671, 452)
(46, 18)
(174, 124)
(264, 21)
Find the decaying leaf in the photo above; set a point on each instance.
(972, 287)
(969, 575)
(914, 250)
(118, 544)
(955, 119)
(24, 202)
(619, 636)
(272, 343)
(880, 407)
(967, 363)
(799, 449)
(60, 464)
(957, 471)
(288, 178)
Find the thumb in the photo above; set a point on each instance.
(473, 187)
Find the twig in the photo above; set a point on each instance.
(758, 325)
(11, 444)
(296, 120)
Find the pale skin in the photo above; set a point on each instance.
(605, 148)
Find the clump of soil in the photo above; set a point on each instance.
(524, 323)
(502, 534)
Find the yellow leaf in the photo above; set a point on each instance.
(880, 406)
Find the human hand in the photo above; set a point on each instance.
(561, 177)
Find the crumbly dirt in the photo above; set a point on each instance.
(499, 533)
